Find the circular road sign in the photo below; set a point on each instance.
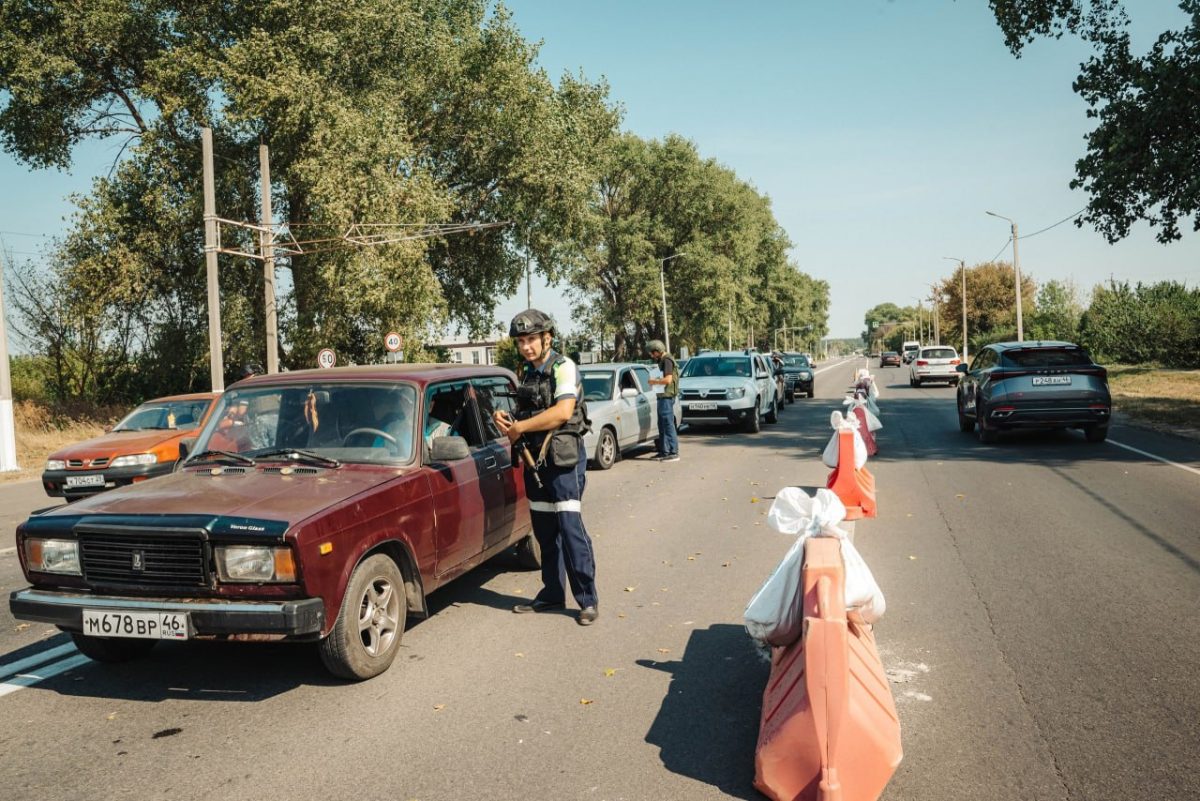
(392, 341)
(326, 358)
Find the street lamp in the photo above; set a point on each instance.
(663, 283)
(962, 267)
(1017, 272)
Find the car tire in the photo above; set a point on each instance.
(607, 452)
(965, 424)
(1095, 433)
(365, 638)
(529, 553)
(773, 414)
(986, 434)
(111, 649)
(753, 423)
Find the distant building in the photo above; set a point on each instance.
(470, 352)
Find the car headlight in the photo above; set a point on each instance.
(255, 563)
(737, 392)
(52, 556)
(804, 375)
(134, 460)
(56, 464)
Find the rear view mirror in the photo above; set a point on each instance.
(449, 449)
(629, 392)
(962, 368)
(186, 445)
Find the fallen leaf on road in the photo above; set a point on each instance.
(724, 564)
(518, 591)
(651, 531)
(724, 499)
(664, 650)
(663, 589)
(522, 718)
(691, 559)
(585, 701)
(753, 500)
(610, 672)
(960, 495)
(438, 707)
(112, 716)
(23, 626)
(688, 622)
(630, 589)
(519, 654)
(735, 526)
(620, 614)
(913, 558)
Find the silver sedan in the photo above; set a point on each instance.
(623, 409)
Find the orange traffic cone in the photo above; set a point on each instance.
(855, 486)
(829, 729)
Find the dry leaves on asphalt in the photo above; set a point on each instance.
(630, 589)
(664, 650)
(585, 701)
(438, 707)
(610, 672)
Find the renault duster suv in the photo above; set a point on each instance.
(321, 505)
(729, 387)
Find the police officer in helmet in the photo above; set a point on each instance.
(552, 419)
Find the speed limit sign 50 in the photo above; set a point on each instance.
(326, 358)
(392, 341)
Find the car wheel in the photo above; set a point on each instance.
(753, 424)
(111, 649)
(1095, 433)
(773, 414)
(529, 553)
(987, 435)
(965, 424)
(607, 451)
(366, 636)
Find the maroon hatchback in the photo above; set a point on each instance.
(320, 505)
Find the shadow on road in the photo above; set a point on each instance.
(707, 726)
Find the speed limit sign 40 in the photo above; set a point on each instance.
(326, 358)
(392, 341)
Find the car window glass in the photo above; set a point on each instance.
(1047, 357)
(794, 360)
(982, 360)
(643, 378)
(597, 385)
(627, 380)
(718, 366)
(448, 413)
(939, 353)
(492, 394)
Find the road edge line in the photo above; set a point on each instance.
(1153, 456)
(23, 680)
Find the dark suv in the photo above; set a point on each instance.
(1033, 385)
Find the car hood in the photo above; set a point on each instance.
(712, 382)
(118, 443)
(787, 369)
(253, 494)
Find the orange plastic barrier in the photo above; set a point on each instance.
(855, 486)
(865, 431)
(829, 729)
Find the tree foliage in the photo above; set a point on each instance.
(1140, 162)
(1143, 323)
(991, 304)
(662, 214)
(375, 111)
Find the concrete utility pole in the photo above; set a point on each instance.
(662, 266)
(962, 268)
(937, 313)
(8, 431)
(1016, 274)
(216, 361)
(266, 237)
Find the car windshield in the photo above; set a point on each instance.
(183, 415)
(1048, 357)
(890, 353)
(794, 360)
(597, 385)
(718, 366)
(939, 353)
(367, 423)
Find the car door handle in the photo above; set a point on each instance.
(489, 461)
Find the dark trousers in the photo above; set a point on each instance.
(558, 525)
(668, 439)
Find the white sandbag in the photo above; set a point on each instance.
(775, 615)
(830, 455)
(862, 591)
(873, 423)
(794, 512)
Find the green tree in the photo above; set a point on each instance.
(378, 111)
(1140, 162)
(991, 305)
(1058, 312)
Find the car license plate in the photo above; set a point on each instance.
(1048, 380)
(85, 481)
(702, 407)
(140, 625)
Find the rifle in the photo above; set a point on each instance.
(529, 403)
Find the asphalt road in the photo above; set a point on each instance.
(1041, 636)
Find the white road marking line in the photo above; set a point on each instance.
(49, 671)
(4, 551)
(13, 668)
(1153, 456)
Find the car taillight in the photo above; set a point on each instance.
(955, 361)
(922, 363)
(1003, 411)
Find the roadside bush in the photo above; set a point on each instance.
(1135, 325)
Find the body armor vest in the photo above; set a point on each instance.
(577, 424)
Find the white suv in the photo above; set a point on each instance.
(934, 363)
(730, 386)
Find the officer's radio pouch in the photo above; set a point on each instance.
(564, 449)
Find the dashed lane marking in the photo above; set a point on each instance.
(1153, 456)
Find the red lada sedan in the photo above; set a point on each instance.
(322, 505)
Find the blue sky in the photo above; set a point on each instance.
(882, 131)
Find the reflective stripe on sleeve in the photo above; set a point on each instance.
(558, 506)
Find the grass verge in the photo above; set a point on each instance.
(1158, 397)
(43, 429)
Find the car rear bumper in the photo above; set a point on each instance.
(300, 618)
(936, 373)
(55, 481)
(1006, 416)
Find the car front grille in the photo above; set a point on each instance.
(143, 558)
(708, 394)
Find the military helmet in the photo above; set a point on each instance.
(530, 321)
(656, 345)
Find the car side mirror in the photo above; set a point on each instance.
(449, 449)
(761, 375)
(186, 446)
(629, 392)
(962, 368)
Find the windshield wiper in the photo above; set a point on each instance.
(213, 455)
(298, 455)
